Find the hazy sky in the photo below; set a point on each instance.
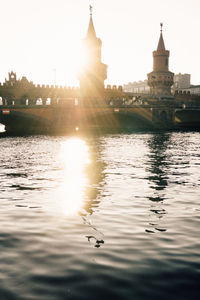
(38, 36)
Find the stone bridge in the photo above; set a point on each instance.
(27, 108)
(83, 114)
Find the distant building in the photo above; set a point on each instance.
(193, 89)
(140, 87)
(181, 81)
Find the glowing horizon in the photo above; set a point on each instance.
(44, 36)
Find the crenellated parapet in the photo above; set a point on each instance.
(185, 97)
(21, 91)
(114, 92)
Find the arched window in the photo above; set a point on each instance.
(163, 115)
(39, 101)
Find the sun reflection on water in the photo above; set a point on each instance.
(75, 157)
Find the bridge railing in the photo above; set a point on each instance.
(125, 102)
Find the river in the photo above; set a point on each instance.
(100, 217)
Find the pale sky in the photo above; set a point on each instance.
(38, 36)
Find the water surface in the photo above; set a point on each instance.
(109, 217)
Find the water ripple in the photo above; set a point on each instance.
(124, 225)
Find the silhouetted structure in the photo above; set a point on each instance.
(94, 72)
(161, 79)
(28, 108)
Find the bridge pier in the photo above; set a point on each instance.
(44, 101)
(163, 116)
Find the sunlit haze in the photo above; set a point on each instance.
(39, 37)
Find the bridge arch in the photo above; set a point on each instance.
(22, 121)
(118, 119)
(163, 115)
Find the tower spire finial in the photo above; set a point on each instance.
(91, 10)
(161, 26)
(91, 30)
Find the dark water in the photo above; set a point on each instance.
(110, 217)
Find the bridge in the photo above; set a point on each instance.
(29, 108)
(68, 115)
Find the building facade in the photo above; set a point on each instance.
(182, 84)
(181, 81)
(140, 87)
(193, 89)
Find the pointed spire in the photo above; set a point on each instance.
(91, 10)
(91, 31)
(161, 44)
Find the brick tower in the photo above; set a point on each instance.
(94, 72)
(161, 79)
